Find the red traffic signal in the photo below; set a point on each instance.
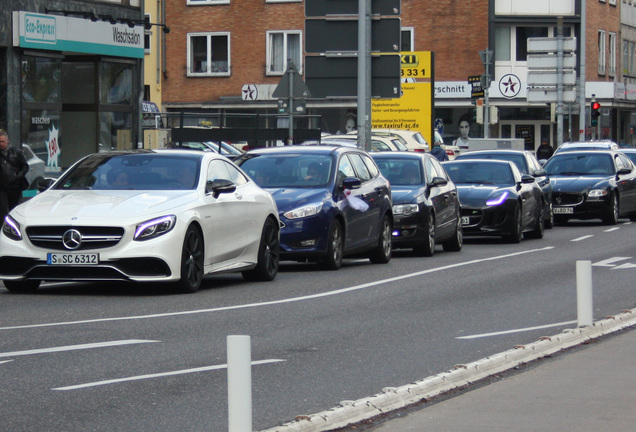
(595, 106)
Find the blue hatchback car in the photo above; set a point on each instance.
(333, 202)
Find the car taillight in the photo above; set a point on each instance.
(420, 150)
(450, 152)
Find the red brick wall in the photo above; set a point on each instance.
(454, 30)
(247, 21)
(601, 16)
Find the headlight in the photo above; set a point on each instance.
(11, 228)
(498, 199)
(405, 209)
(304, 211)
(154, 228)
(597, 193)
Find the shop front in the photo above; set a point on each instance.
(79, 85)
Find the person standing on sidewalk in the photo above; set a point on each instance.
(13, 169)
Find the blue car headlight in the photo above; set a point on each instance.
(498, 199)
(154, 227)
(11, 228)
(405, 209)
(597, 193)
(304, 211)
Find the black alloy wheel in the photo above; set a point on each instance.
(268, 255)
(191, 261)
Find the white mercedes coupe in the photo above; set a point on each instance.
(142, 216)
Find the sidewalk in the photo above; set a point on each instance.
(579, 380)
(588, 388)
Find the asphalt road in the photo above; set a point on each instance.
(115, 357)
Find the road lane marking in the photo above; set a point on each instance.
(585, 237)
(283, 301)
(6, 361)
(499, 333)
(612, 229)
(610, 262)
(624, 266)
(75, 347)
(159, 375)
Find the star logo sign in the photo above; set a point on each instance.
(509, 86)
(249, 92)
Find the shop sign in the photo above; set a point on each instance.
(79, 35)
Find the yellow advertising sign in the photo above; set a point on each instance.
(416, 64)
(412, 111)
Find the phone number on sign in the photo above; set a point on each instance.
(62, 259)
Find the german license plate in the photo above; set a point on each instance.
(72, 259)
(562, 210)
(465, 220)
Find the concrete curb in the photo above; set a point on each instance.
(351, 412)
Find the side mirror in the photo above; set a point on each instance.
(525, 178)
(438, 181)
(351, 183)
(219, 186)
(624, 170)
(539, 172)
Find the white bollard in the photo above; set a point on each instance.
(239, 384)
(584, 303)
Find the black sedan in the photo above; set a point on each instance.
(426, 208)
(497, 200)
(592, 185)
(527, 163)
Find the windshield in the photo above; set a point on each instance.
(133, 172)
(400, 172)
(580, 164)
(517, 159)
(289, 170)
(480, 173)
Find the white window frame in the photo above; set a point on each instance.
(208, 72)
(612, 54)
(268, 63)
(602, 55)
(411, 32)
(206, 2)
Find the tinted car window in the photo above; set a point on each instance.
(289, 170)
(580, 164)
(360, 167)
(371, 166)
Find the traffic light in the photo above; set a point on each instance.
(595, 112)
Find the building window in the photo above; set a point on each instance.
(407, 37)
(523, 33)
(502, 44)
(147, 36)
(281, 46)
(601, 52)
(612, 54)
(207, 2)
(208, 54)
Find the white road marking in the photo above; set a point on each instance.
(610, 262)
(477, 336)
(283, 301)
(6, 361)
(624, 266)
(612, 229)
(75, 347)
(159, 375)
(582, 238)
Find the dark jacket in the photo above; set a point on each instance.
(17, 162)
(439, 153)
(544, 152)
